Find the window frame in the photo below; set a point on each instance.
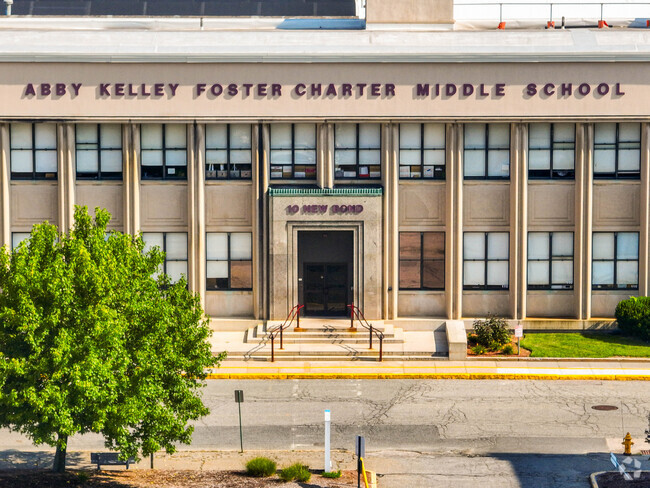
(552, 173)
(487, 150)
(357, 149)
(615, 260)
(228, 260)
(33, 150)
(422, 150)
(163, 149)
(228, 149)
(293, 154)
(422, 260)
(99, 150)
(552, 258)
(486, 260)
(617, 143)
(166, 260)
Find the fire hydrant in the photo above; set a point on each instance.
(627, 442)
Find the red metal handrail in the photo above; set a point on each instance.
(294, 313)
(356, 312)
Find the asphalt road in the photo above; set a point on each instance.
(430, 432)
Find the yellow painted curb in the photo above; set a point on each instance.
(424, 376)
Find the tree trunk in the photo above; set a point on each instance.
(59, 457)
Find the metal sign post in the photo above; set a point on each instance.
(360, 451)
(328, 463)
(239, 398)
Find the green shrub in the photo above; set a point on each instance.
(260, 467)
(508, 349)
(296, 472)
(331, 474)
(478, 349)
(633, 316)
(471, 338)
(492, 332)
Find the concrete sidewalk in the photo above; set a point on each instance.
(517, 369)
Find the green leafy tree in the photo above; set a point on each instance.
(90, 341)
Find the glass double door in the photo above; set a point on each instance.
(325, 288)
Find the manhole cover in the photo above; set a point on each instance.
(604, 407)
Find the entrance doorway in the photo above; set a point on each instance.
(325, 272)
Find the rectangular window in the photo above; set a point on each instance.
(422, 151)
(617, 150)
(293, 151)
(99, 151)
(357, 151)
(615, 260)
(551, 151)
(422, 260)
(163, 151)
(33, 151)
(17, 238)
(485, 260)
(229, 261)
(228, 152)
(550, 260)
(174, 245)
(487, 151)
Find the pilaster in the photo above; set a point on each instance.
(457, 269)
(392, 136)
(256, 230)
(264, 172)
(131, 176)
(644, 259)
(66, 175)
(515, 192)
(450, 236)
(5, 197)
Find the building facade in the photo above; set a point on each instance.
(419, 172)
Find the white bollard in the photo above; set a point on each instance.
(328, 463)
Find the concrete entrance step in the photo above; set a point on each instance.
(325, 334)
(369, 355)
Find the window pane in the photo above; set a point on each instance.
(603, 272)
(151, 136)
(240, 157)
(629, 159)
(474, 136)
(45, 136)
(433, 274)
(409, 245)
(152, 239)
(538, 273)
(499, 163)
(175, 269)
(604, 160)
(112, 161)
(217, 269)
(21, 136)
(497, 273)
(369, 136)
(369, 157)
(605, 133)
(434, 157)
(434, 135)
(345, 157)
(86, 134)
(87, 161)
(603, 245)
(176, 245)
(538, 245)
(409, 136)
(564, 132)
(562, 243)
(563, 272)
(305, 136)
(627, 273)
(215, 136)
(497, 245)
(433, 245)
(111, 135)
(305, 157)
(474, 164)
(240, 245)
(539, 136)
(627, 245)
(17, 238)
(280, 136)
(176, 157)
(408, 157)
(498, 135)
(629, 132)
(539, 159)
(45, 162)
(474, 245)
(474, 273)
(241, 274)
(345, 135)
(563, 159)
(175, 136)
(409, 274)
(151, 158)
(21, 161)
(240, 136)
(280, 157)
(216, 246)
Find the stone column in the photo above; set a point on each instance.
(257, 223)
(131, 172)
(583, 220)
(264, 190)
(391, 132)
(66, 175)
(386, 175)
(457, 228)
(196, 208)
(644, 258)
(5, 197)
(589, 207)
(450, 236)
(515, 192)
(523, 222)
